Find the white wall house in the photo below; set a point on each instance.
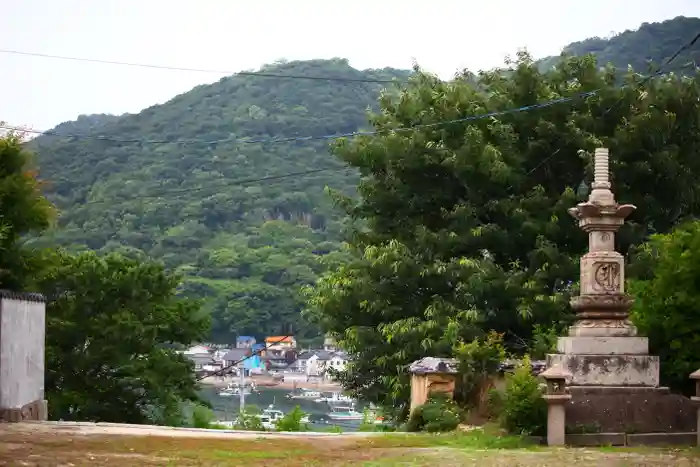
(317, 362)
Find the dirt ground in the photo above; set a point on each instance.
(34, 445)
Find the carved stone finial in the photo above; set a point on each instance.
(601, 170)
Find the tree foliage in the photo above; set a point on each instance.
(109, 320)
(463, 226)
(23, 210)
(666, 293)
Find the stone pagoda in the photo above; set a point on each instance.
(612, 379)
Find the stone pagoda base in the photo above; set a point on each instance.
(606, 361)
(614, 388)
(610, 409)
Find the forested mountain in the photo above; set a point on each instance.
(652, 42)
(197, 183)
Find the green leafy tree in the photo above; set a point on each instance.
(462, 227)
(666, 292)
(23, 210)
(110, 321)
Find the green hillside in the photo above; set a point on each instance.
(186, 181)
(245, 244)
(651, 43)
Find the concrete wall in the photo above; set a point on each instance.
(22, 331)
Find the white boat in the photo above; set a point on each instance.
(235, 390)
(229, 424)
(270, 416)
(336, 398)
(345, 413)
(304, 394)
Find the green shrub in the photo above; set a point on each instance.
(524, 410)
(479, 361)
(439, 413)
(292, 421)
(249, 419)
(202, 417)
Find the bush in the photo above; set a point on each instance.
(202, 417)
(292, 421)
(439, 413)
(479, 361)
(524, 410)
(249, 419)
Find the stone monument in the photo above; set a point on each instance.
(614, 382)
(603, 348)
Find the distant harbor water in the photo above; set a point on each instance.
(227, 407)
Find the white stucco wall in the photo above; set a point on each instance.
(22, 333)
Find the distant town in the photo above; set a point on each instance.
(277, 356)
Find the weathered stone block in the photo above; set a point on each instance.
(585, 345)
(629, 409)
(609, 370)
(602, 272)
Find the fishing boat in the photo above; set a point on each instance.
(304, 394)
(345, 413)
(235, 390)
(336, 398)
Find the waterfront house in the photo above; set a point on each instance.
(245, 342)
(200, 361)
(197, 350)
(329, 344)
(248, 357)
(338, 361)
(318, 362)
(278, 346)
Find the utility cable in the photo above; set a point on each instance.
(202, 70)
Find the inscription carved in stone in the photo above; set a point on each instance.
(605, 237)
(606, 277)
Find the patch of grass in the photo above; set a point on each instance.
(479, 447)
(476, 439)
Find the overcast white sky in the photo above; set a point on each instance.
(442, 35)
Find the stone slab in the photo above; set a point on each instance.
(662, 439)
(631, 439)
(597, 409)
(603, 345)
(595, 439)
(609, 370)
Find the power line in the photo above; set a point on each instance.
(310, 138)
(203, 70)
